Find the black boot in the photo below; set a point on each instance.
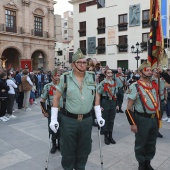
(117, 110)
(106, 139)
(148, 165)
(120, 109)
(160, 135)
(58, 147)
(141, 166)
(54, 146)
(111, 138)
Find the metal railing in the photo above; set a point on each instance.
(20, 30)
(40, 34)
(4, 28)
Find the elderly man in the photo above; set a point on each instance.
(78, 90)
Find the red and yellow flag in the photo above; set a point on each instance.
(155, 44)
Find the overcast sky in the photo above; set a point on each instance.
(62, 6)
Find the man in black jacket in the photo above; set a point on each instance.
(164, 74)
(3, 96)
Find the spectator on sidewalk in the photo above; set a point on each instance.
(20, 91)
(32, 95)
(40, 77)
(26, 86)
(11, 96)
(167, 106)
(3, 96)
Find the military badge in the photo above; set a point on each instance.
(129, 91)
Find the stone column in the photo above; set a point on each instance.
(51, 22)
(26, 16)
(50, 57)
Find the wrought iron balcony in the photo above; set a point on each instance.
(18, 30)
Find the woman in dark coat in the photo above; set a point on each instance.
(3, 96)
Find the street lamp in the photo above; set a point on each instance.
(137, 51)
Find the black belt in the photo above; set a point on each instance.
(120, 87)
(76, 116)
(107, 98)
(146, 115)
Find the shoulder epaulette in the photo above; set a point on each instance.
(91, 72)
(66, 73)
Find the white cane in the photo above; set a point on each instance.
(100, 146)
(47, 160)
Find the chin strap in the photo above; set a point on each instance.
(79, 69)
(149, 77)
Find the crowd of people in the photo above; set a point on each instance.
(22, 87)
(38, 79)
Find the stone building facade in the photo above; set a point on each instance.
(27, 34)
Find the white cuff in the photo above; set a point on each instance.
(98, 112)
(54, 113)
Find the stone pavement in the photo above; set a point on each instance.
(24, 145)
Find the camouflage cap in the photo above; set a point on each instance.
(54, 72)
(78, 55)
(144, 65)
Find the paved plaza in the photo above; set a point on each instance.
(24, 145)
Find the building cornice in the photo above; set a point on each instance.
(26, 36)
(11, 5)
(77, 1)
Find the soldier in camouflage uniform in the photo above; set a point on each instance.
(106, 95)
(121, 81)
(47, 96)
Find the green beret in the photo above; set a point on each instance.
(144, 65)
(78, 55)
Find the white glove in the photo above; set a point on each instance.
(100, 120)
(54, 125)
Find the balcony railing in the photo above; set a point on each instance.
(82, 32)
(122, 47)
(101, 29)
(101, 49)
(122, 26)
(145, 23)
(18, 30)
(40, 34)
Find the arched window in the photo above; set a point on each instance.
(38, 22)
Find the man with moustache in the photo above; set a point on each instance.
(48, 95)
(78, 90)
(106, 93)
(143, 115)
